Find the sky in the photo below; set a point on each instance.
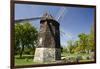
(73, 21)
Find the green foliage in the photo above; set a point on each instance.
(25, 37)
(70, 46)
(84, 44)
(64, 49)
(91, 39)
(83, 38)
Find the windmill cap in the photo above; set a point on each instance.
(47, 16)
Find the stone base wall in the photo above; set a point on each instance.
(47, 54)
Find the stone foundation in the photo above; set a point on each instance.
(47, 54)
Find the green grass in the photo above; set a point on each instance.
(26, 60)
(23, 62)
(74, 55)
(68, 55)
(86, 60)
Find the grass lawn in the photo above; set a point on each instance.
(26, 60)
(86, 60)
(74, 55)
(82, 55)
(23, 62)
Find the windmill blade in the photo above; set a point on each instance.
(68, 34)
(61, 13)
(27, 19)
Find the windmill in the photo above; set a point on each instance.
(48, 48)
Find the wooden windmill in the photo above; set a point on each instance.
(49, 48)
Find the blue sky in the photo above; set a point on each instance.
(75, 20)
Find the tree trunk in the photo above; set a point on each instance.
(22, 50)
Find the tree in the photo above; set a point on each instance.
(64, 50)
(83, 38)
(91, 39)
(70, 45)
(76, 48)
(25, 36)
